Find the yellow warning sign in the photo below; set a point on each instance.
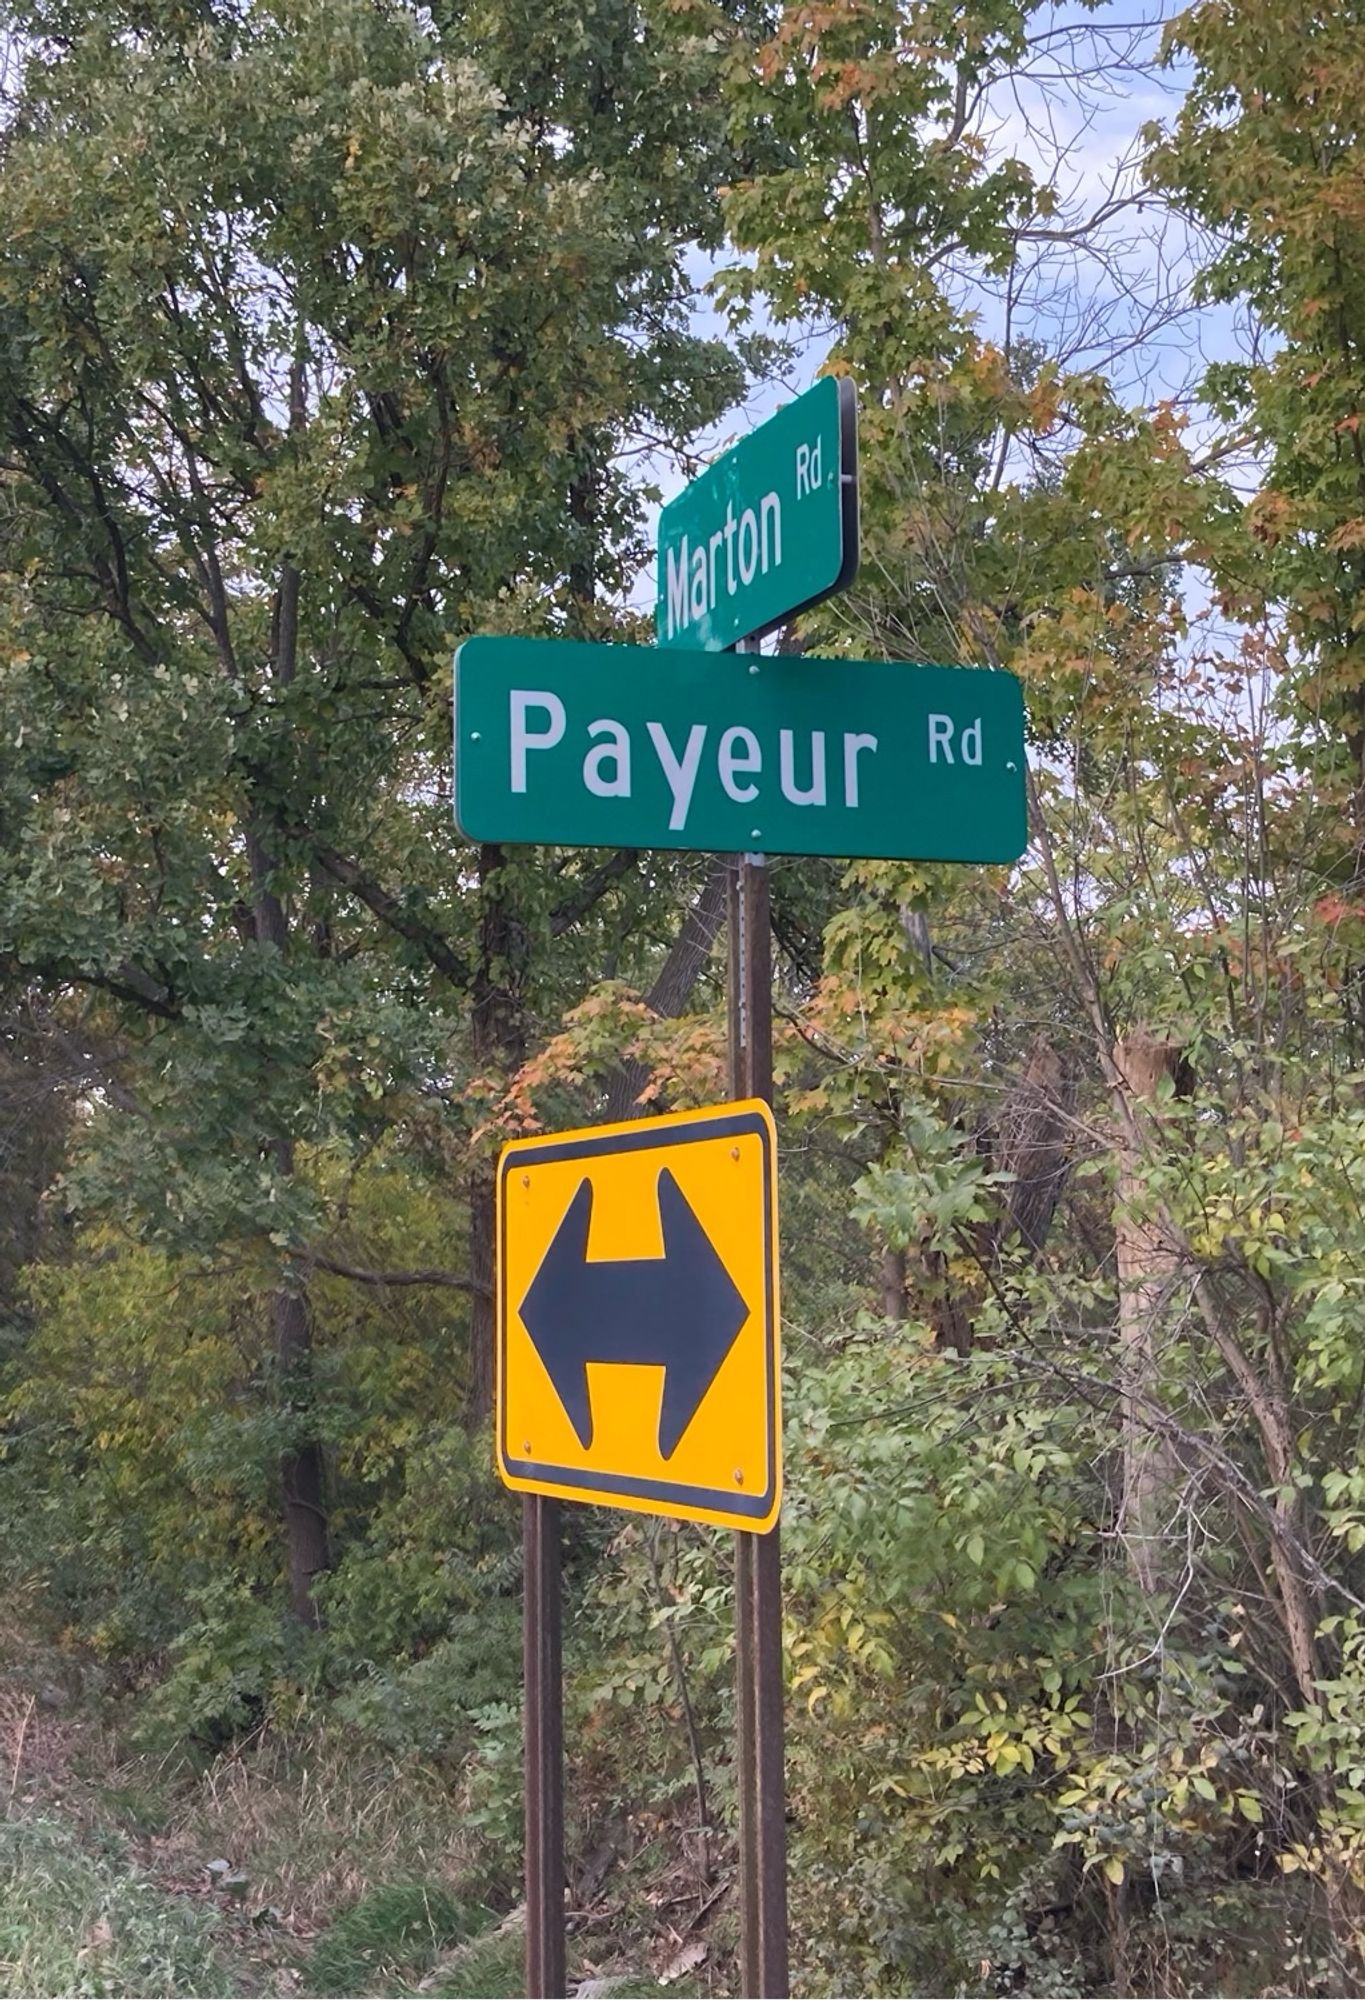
(638, 1360)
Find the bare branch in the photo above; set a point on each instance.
(453, 1281)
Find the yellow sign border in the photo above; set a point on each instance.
(750, 1513)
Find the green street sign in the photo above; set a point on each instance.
(565, 744)
(769, 529)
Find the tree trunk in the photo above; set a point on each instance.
(894, 1280)
(482, 1318)
(302, 1471)
(674, 987)
(37, 1091)
(1034, 1143)
(303, 1479)
(950, 1305)
(1147, 1268)
(498, 1034)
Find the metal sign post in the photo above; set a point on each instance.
(542, 1658)
(759, 1685)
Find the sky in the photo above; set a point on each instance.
(1120, 296)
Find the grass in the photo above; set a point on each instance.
(492, 1967)
(313, 1821)
(315, 1841)
(78, 1917)
(390, 1937)
(77, 1921)
(304, 1861)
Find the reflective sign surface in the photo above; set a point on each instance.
(637, 1327)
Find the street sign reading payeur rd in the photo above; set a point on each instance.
(769, 529)
(637, 1352)
(567, 744)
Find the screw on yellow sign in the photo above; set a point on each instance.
(638, 1356)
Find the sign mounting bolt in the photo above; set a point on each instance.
(526, 1180)
(739, 1477)
(474, 736)
(734, 1152)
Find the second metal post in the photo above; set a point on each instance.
(758, 1558)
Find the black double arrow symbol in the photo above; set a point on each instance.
(681, 1311)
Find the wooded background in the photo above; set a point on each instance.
(330, 335)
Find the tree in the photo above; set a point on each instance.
(326, 336)
(1018, 514)
(1265, 153)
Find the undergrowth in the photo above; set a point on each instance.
(75, 1919)
(393, 1934)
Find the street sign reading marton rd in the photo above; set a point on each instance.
(769, 529)
(637, 1293)
(576, 745)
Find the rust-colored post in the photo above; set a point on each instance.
(542, 1656)
(760, 1688)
